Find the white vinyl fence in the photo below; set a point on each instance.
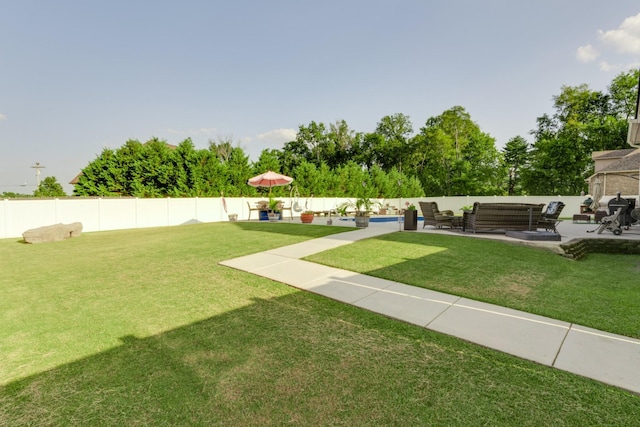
(97, 214)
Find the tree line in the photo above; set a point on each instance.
(157, 169)
(449, 155)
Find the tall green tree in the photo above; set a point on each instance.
(394, 148)
(482, 170)
(101, 177)
(292, 155)
(157, 170)
(269, 160)
(556, 167)
(350, 179)
(236, 171)
(312, 180)
(366, 151)
(314, 136)
(340, 145)
(188, 173)
(49, 187)
(623, 92)
(222, 148)
(454, 157)
(515, 157)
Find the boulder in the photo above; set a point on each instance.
(52, 233)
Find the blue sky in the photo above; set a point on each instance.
(77, 76)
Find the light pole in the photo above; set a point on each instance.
(37, 167)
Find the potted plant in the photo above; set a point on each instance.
(274, 210)
(307, 217)
(363, 206)
(343, 209)
(411, 217)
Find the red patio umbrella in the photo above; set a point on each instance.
(269, 179)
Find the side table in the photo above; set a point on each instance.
(581, 218)
(457, 222)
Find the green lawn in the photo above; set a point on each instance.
(600, 291)
(142, 327)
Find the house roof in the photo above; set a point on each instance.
(74, 181)
(630, 162)
(612, 154)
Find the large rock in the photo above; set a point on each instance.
(52, 233)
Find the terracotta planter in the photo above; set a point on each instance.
(306, 218)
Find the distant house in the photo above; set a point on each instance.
(616, 171)
(74, 181)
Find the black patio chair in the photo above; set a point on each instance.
(549, 218)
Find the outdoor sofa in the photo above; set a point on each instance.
(503, 217)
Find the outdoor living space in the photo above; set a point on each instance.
(205, 341)
(567, 231)
(564, 228)
(320, 214)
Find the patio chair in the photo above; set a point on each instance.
(282, 208)
(256, 209)
(433, 216)
(549, 218)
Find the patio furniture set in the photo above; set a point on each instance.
(495, 217)
(262, 207)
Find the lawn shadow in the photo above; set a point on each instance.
(298, 358)
(189, 375)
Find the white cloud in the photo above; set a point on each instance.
(625, 38)
(605, 66)
(207, 131)
(253, 145)
(278, 135)
(273, 139)
(3, 116)
(617, 43)
(587, 53)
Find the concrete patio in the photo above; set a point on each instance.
(567, 229)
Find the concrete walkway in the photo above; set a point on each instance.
(602, 356)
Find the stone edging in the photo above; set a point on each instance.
(579, 248)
